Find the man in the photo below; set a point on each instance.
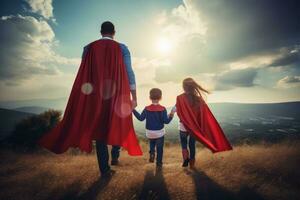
(108, 33)
(100, 104)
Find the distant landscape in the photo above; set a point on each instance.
(242, 123)
(265, 157)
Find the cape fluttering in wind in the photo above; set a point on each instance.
(99, 106)
(200, 123)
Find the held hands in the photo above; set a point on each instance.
(133, 104)
(173, 110)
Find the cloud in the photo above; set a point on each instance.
(287, 58)
(289, 82)
(240, 36)
(41, 7)
(27, 49)
(235, 78)
(243, 28)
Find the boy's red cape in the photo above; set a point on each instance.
(202, 124)
(99, 106)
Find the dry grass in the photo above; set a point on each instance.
(248, 172)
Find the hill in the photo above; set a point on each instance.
(8, 120)
(32, 109)
(260, 172)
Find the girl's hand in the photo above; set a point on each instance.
(173, 110)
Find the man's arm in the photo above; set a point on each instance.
(130, 73)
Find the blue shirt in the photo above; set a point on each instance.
(155, 120)
(127, 61)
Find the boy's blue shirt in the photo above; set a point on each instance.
(156, 117)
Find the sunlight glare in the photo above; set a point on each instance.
(164, 45)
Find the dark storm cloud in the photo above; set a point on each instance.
(291, 58)
(291, 79)
(240, 28)
(236, 78)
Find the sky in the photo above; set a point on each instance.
(241, 51)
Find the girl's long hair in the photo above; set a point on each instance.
(193, 91)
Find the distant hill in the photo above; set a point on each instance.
(58, 103)
(8, 119)
(247, 122)
(32, 109)
(268, 121)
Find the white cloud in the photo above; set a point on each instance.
(41, 7)
(27, 50)
(183, 21)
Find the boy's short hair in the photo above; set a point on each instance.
(155, 94)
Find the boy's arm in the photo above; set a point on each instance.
(167, 119)
(139, 116)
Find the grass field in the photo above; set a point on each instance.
(261, 171)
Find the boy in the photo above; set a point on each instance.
(156, 116)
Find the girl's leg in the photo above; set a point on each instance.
(192, 147)
(185, 153)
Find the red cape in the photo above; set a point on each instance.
(99, 106)
(202, 124)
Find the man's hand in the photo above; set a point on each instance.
(133, 104)
(133, 101)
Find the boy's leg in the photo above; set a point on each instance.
(160, 150)
(115, 154)
(152, 149)
(102, 156)
(192, 147)
(185, 153)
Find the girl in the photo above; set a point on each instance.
(196, 122)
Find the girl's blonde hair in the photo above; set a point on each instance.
(193, 90)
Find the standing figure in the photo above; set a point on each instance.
(100, 104)
(156, 117)
(196, 122)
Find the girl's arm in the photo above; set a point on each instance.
(139, 116)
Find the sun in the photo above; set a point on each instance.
(164, 45)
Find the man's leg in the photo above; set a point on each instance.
(152, 149)
(102, 156)
(115, 154)
(160, 150)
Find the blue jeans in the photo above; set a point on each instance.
(185, 140)
(159, 144)
(103, 156)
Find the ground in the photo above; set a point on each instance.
(259, 171)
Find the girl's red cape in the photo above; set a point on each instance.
(99, 106)
(201, 123)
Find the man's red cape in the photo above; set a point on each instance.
(99, 106)
(201, 124)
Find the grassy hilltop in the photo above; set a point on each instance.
(261, 171)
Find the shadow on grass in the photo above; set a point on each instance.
(95, 189)
(207, 189)
(154, 186)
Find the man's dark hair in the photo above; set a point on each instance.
(107, 28)
(155, 94)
